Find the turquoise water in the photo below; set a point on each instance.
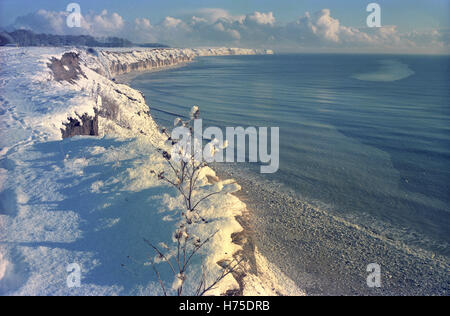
(366, 137)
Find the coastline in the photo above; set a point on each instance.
(255, 261)
(324, 254)
(292, 247)
(272, 281)
(82, 101)
(128, 77)
(294, 225)
(327, 268)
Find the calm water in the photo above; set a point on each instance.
(364, 137)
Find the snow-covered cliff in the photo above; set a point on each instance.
(98, 100)
(123, 61)
(92, 200)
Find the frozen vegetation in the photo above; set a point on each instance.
(78, 163)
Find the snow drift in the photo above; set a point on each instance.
(76, 150)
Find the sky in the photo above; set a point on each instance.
(287, 25)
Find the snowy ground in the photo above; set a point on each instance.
(91, 200)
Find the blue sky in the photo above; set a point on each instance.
(406, 15)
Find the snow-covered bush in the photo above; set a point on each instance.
(184, 177)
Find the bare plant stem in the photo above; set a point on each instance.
(187, 174)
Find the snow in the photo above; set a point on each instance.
(177, 282)
(92, 200)
(3, 265)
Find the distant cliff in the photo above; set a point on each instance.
(119, 62)
(111, 108)
(23, 38)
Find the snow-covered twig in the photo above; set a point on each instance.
(229, 269)
(185, 179)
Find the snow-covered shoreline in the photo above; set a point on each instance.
(122, 61)
(91, 200)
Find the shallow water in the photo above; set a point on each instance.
(365, 138)
(390, 70)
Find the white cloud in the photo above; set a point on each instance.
(143, 30)
(261, 18)
(320, 27)
(143, 22)
(43, 21)
(327, 27)
(214, 27)
(234, 34)
(212, 15)
(103, 23)
(171, 22)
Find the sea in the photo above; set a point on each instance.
(364, 174)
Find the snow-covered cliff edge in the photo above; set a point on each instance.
(124, 61)
(91, 200)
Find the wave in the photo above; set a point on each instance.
(390, 70)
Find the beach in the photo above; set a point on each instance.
(97, 199)
(362, 175)
(325, 255)
(301, 231)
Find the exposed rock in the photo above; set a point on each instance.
(129, 98)
(84, 125)
(142, 60)
(68, 68)
(109, 109)
(118, 108)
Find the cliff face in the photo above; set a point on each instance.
(67, 68)
(153, 62)
(118, 109)
(84, 125)
(120, 62)
(86, 200)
